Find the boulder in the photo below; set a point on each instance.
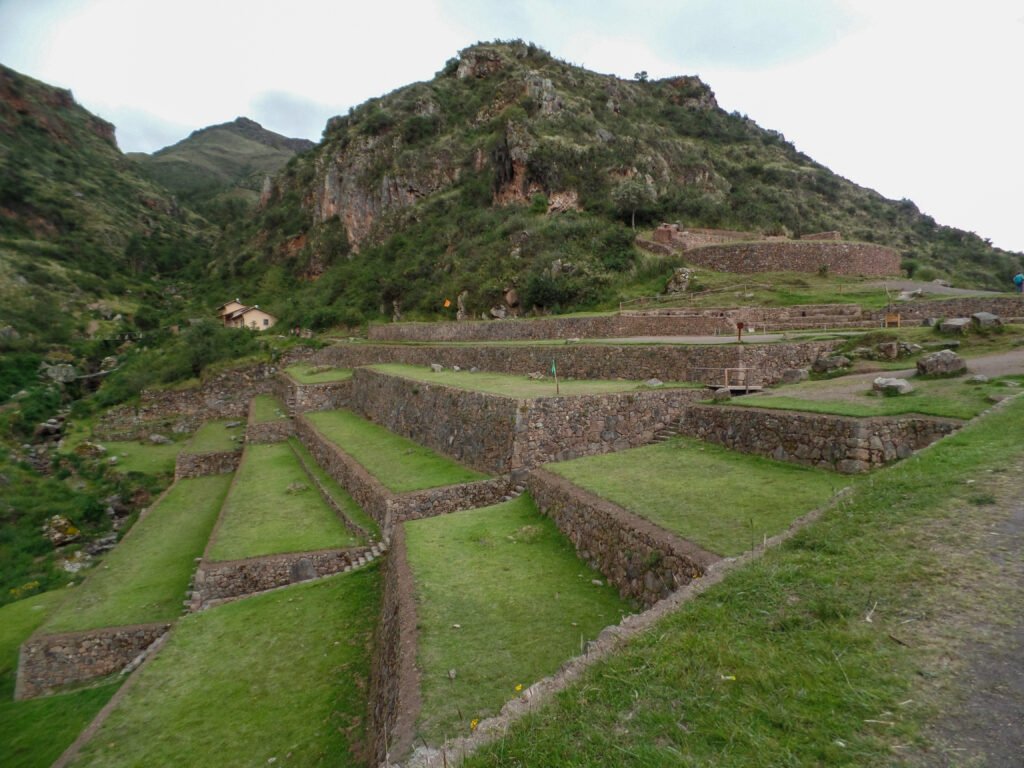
(888, 350)
(978, 378)
(679, 281)
(653, 383)
(156, 439)
(942, 363)
(955, 325)
(830, 363)
(794, 375)
(891, 386)
(436, 367)
(722, 394)
(60, 531)
(986, 320)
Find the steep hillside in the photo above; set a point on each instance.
(78, 223)
(233, 158)
(514, 170)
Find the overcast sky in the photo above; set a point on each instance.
(918, 99)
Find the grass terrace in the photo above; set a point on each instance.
(317, 374)
(278, 678)
(843, 647)
(215, 436)
(953, 398)
(341, 497)
(34, 733)
(516, 386)
(400, 464)
(267, 408)
(144, 578)
(726, 502)
(144, 457)
(274, 508)
(503, 600)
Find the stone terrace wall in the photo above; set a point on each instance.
(235, 578)
(276, 431)
(447, 498)
(839, 443)
(394, 683)
(300, 398)
(541, 328)
(202, 464)
(561, 428)
(840, 258)
(49, 662)
(224, 395)
(474, 428)
(1004, 306)
(585, 361)
(682, 238)
(643, 561)
(500, 434)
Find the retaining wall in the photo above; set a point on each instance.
(394, 682)
(910, 311)
(49, 662)
(203, 464)
(235, 578)
(839, 443)
(643, 561)
(587, 361)
(838, 258)
(270, 431)
(326, 396)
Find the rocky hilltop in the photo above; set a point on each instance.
(513, 170)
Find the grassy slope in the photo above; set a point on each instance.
(399, 463)
(342, 497)
(522, 599)
(313, 374)
(147, 458)
(724, 501)
(511, 386)
(262, 517)
(777, 665)
(144, 578)
(215, 436)
(280, 676)
(267, 408)
(34, 733)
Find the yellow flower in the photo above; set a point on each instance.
(519, 687)
(473, 724)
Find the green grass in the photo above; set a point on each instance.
(342, 497)
(777, 665)
(317, 374)
(397, 462)
(262, 516)
(34, 733)
(216, 436)
(144, 457)
(266, 408)
(522, 599)
(514, 386)
(726, 502)
(949, 398)
(282, 676)
(144, 578)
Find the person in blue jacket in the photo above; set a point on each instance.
(1018, 280)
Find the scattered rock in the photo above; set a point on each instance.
(597, 582)
(888, 350)
(232, 424)
(109, 363)
(891, 386)
(61, 373)
(75, 562)
(60, 531)
(654, 383)
(955, 325)
(456, 368)
(436, 367)
(722, 393)
(1011, 384)
(296, 488)
(830, 363)
(942, 363)
(535, 375)
(452, 674)
(978, 378)
(680, 280)
(930, 322)
(794, 375)
(157, 439)
(499, 312)
(943, 283)
(986, 320)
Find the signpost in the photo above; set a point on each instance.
(739, 332)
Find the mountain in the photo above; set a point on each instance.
(512, 169)
(231, 157)
(78, 222)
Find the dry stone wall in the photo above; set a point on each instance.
(1003, 306)
(270, 431)
(49, 662)
(645, 562)
(586, 361)
(326, 396)
(839, 443)
(235, 578)
(203, 464)
(837, 258)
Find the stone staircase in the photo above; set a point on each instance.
(666, 433)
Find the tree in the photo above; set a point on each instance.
(632, 195)
(641, 76)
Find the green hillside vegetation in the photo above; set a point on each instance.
(278, 678)
(499, 134)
